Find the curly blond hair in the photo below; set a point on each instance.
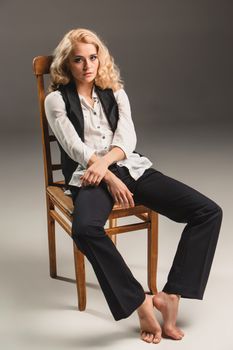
(108, 75)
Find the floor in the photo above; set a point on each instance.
(40, 312)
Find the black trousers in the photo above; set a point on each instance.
(169, 197)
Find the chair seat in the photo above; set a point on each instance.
(65, 203)
(62, 200)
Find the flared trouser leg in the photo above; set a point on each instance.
(123, 293)
(191, 266)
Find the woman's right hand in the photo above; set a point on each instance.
(120, 192)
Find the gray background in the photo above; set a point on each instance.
(175, 56)
(176, 60)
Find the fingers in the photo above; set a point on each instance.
(131, 201)
(125, 199)
(122, 196)
(128, 199)
(94, 174)
(91, 180)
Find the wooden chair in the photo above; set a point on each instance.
(60, 205)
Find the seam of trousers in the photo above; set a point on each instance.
(116, 314)
(100, 271)
(184, 291)
(200, 292)
(178, 289)
(212, 238)
(168, 287)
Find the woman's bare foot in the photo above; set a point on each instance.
(167, 304)
(150, 327)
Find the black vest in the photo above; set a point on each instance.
(75, 114)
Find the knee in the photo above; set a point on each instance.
(215, 209)
(84, 229)
(219, 210)
(79, 228)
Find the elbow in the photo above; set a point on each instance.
(128, 150)
(130, 147)
(133, 143)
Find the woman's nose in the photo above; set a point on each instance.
(87, 64)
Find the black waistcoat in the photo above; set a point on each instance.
(75, 114)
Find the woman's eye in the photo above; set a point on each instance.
(77, 60)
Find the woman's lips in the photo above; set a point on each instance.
(88, 73)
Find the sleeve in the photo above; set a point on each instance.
(124, 135)
(64, 130)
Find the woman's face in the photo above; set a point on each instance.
(83, 60)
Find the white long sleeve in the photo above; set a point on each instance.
(124, 135)
(64, 130)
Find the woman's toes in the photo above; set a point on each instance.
(180, 331)
(177, 336)
(150, 337)
(156, 339)
(172, 333)
(146, 336)
(143, 335)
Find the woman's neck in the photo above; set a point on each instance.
(85, 90)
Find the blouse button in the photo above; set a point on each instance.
(103, 137)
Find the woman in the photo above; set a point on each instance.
(89, 113)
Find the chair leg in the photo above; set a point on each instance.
(113, 223)
(51, 240)
(152, 252)
(79, 264)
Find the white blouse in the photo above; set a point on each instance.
(98, 136)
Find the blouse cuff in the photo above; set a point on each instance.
(88, 152)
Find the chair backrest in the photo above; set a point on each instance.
(41, 67)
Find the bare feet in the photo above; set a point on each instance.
(150, 327)
(167, 304)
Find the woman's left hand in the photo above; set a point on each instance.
(95, 173)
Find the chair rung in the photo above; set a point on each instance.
(56, 166)
(58, 184)
(127, 228)
(61, 221)
(121, 212)
(109, 231)
(52, 138)
(143, 217)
